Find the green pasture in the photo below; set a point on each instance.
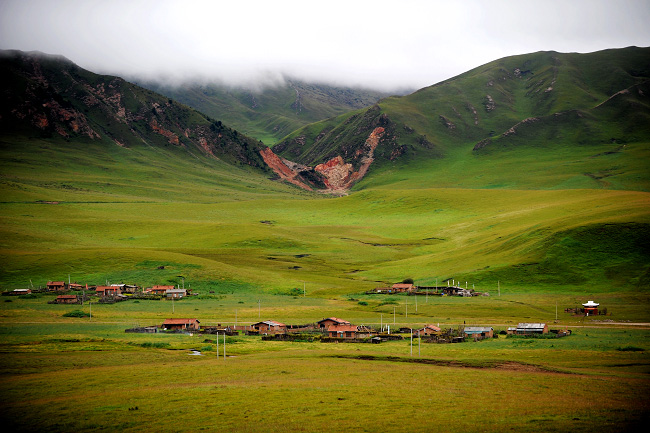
(596, 378)
(583, 241)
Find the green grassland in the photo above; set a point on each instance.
(249, 252)
(539, 224)
(112, 381)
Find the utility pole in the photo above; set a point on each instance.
(304, 289)
(217, 344)
(393, 315)
(224, 344)
(416, 302)
(419, 343)
(411, 341)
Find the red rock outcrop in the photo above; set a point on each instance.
(173, 138)
(281, 168)
(338, 175)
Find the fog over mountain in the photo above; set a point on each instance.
(378, 44)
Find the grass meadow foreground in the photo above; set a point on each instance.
(86, 374)
(251, 249)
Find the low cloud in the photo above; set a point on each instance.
(375, 44)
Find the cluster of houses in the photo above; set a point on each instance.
(332, 327)
(412, 289)
(335, 329)
(113, 291)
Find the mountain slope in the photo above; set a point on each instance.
(101, 133)
(548, 113)
(59, 98)
(269, 112)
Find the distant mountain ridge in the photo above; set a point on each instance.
(269, 111)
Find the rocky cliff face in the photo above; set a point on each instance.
(334, 176)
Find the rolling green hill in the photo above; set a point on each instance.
(269, 112)
(103, 180)
(541, 120)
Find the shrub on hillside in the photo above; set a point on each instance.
(76, 313)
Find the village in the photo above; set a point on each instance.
(327, 330)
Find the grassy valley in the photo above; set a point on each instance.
(544, 219)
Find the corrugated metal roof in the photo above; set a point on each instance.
(477, 329)
(270, 323)
(531, 326)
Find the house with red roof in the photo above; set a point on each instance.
(428, 330)
(402, 287)
(181, 324)
(325, 324)
(55, 285)
(343, 331)
(66, 299)
(108, 291)
(160, 290)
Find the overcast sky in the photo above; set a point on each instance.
(386, 44)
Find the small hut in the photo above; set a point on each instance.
(591, 308)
